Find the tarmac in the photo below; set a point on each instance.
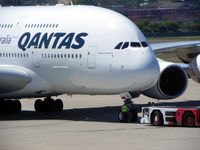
(91, 123)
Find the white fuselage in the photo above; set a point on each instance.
(72, 49)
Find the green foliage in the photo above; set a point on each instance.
(167, 26)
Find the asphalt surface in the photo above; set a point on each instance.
(91, 123)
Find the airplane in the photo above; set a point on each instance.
(47, 51)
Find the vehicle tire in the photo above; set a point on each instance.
(123, 116)
(58, 105)
(188, 119)
(39, 105)
(157, 118)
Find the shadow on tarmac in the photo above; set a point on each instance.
(99, 114)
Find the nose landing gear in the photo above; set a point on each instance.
(128, 113)
(48, 105)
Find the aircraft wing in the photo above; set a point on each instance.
(13, 78)
(173, 45)
(185, 51)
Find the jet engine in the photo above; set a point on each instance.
(194, 69)
(171, 84)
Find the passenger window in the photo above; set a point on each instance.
(135, 44)
(144, 44)
(126, 44)
(119, 45)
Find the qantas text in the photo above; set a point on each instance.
(52, 40)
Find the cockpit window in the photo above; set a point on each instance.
(144, 44)
(119, 45)
(135, 44)
(126, 45)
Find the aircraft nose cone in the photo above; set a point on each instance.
(146, 69)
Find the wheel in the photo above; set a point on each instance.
(38, 105)
(130, 116)
(10, 106)
(133, 115)
(123, 116)
(17, 106)
(58, 105)
(49, 105)
(3, 106)
(188, 119)
(157, 118)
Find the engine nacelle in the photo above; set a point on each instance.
(171, 84)
(194, 69)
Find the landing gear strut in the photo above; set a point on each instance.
(128, 113)
(48, 105)
(10, 106)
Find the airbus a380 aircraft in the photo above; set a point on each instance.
(54, 50)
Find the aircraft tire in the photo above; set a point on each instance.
(134, 115)
(123, 116)
(39, 105)
(49, 105)
(17, 106)
(58, 105)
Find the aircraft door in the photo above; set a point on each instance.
(91, 58)
(35, 60)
